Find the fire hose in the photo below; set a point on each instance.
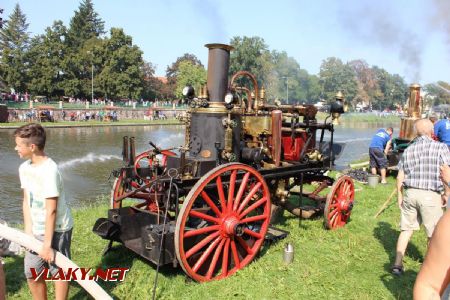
(31, 243)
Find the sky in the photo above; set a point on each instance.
(410, 38)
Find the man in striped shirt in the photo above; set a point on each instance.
(421, 193)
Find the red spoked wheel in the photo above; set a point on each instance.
(339, 203)
(123, 185)
(222, 223)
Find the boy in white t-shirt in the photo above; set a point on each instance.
(46, 213)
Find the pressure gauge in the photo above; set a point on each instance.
(229, 98)
(188, 91)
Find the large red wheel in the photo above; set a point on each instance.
(339, 203)
(222, 223)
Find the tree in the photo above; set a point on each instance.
(173, 71)
(84, 25)
(437, 93)
(46, 54)
(251, 54)
(14, 42)
(366, 83)
(152, 86)
(336, 76)
(122, 74)
(189, 74)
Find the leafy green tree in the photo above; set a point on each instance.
(302, 87)
(173, 71)
(84, 52)
(189, 74)
(152, 86)
(390, 92)
(366, 83)
(437, 93)
(122, 74)
(84, 25)
(14, 42)
(46, 55)
(398, 92)
(251, 54)
(337, 76)
(286, 71)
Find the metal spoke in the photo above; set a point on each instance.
(231, 190)
(206, 254)
(201, 230)
(252, 233)
(244, 245)
(211, 203)
(254, 218)
(242, 188)
(249, 197)
(226, 253)
(200, 245)
(221, 193)
(253, 206)
(212, 267)
(197, 214)
(237, 263)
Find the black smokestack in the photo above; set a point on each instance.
(218, 65)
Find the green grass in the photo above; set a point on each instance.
(350, 263)
(125, 122)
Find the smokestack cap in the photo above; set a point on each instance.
(219, 46)
(414, 85)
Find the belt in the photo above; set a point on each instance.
(410, 187)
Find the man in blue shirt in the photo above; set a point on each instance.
(379, 146)
(442, 131)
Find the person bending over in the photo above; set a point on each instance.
(378, 148)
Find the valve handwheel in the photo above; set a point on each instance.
(120, 185)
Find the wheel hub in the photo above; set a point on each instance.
(231, 226)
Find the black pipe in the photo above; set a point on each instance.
(132, 152)
(125, 152)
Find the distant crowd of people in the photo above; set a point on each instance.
(98, 115)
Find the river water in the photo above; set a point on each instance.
(87, 155)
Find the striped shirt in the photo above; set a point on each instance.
(421, 161)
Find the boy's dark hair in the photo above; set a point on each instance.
(35, 134)
(391, 129)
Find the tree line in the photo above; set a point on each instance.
(81, 60)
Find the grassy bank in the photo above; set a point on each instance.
(349, 263)
(90, 123)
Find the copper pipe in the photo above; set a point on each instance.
(277, 117)
(255, 86)
(240, 88)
